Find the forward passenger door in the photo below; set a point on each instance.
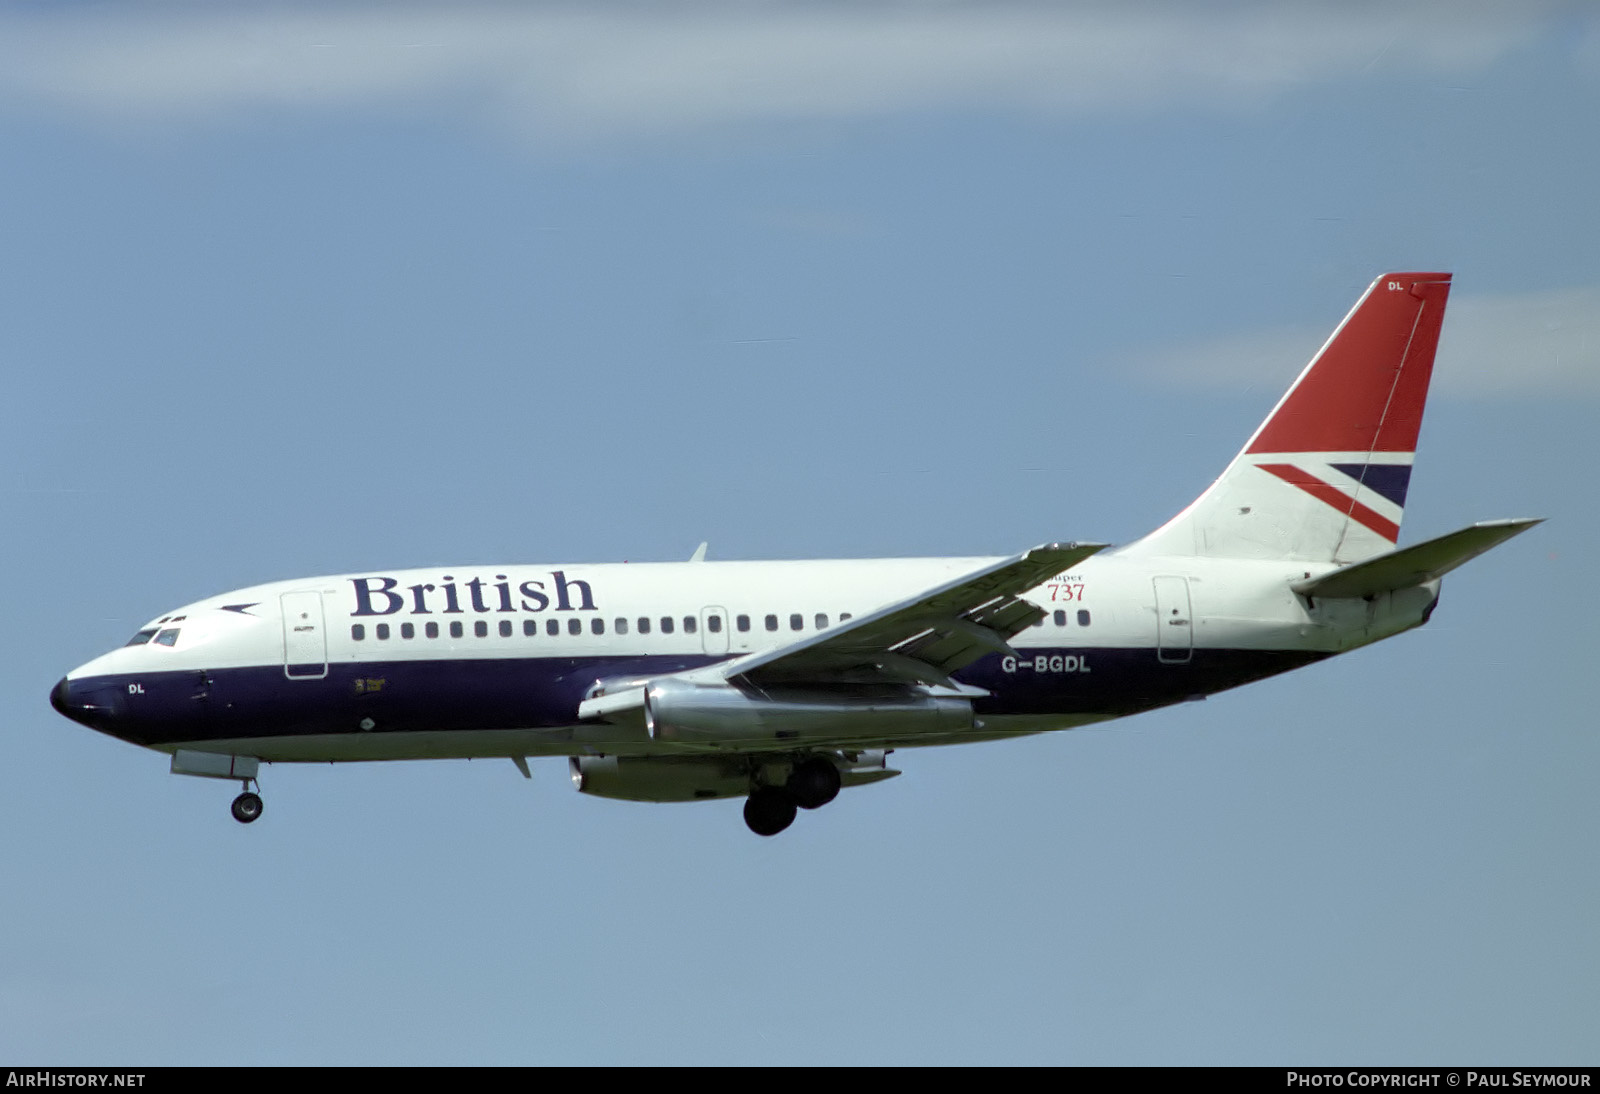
(305, 641)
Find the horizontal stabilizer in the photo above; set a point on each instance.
(1411, 566)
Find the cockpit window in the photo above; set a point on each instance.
(168, 637)
(142, 637)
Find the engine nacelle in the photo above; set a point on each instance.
(698, 778)
(652, 779)
(683, 713)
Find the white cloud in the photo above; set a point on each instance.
(1543, 343)
(604, 68)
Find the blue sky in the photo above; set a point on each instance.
(313, 289)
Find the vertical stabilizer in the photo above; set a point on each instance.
(1324, 478)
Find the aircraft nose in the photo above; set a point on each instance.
(60, 696)
(90, 707)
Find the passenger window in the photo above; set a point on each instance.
(552, 627)
(1061, 618)
(772, 622)
(431, 629)
(796, 621)
(1083, 619)
(597, 625)
(505, 628)
(666, 624)
(408, 630)
(357, 631)
(481, 629)
(141, 638)
(530, 627)
(743, 623)
(822, 620)
(383, 630)
(1039, 622)
(455, 628)
(843, 616)
(644, 624)
(574, 626)
(690, 624)
(622, 625)
(714, 624)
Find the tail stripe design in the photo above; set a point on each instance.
(1327, 492)
(1388, 480)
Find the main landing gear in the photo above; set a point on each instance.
(769, 810)
(247, 806)
(812, 784)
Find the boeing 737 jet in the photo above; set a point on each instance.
(783, 682)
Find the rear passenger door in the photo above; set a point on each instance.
(1174, 632)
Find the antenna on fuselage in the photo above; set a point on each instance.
(699, 553)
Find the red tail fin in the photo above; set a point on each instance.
(1325, 476)
(1364, 391)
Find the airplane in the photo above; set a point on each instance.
(785, 682)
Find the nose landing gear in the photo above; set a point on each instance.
(216, 765)
(247, 806)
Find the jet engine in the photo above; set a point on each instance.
(652, 779)
(683, 779)
(679, 712)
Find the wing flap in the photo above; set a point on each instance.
(1415, 565)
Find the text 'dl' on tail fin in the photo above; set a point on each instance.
(1324, 478)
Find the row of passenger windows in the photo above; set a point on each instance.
(620, 625)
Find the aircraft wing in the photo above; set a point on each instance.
(926, 637)
(920, 640)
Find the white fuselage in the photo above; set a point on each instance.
(474, 661)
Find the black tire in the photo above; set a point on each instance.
(247, 807)
(768, 811)
(814, 783)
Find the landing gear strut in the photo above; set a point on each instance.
(769, 810)
(247, 806)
